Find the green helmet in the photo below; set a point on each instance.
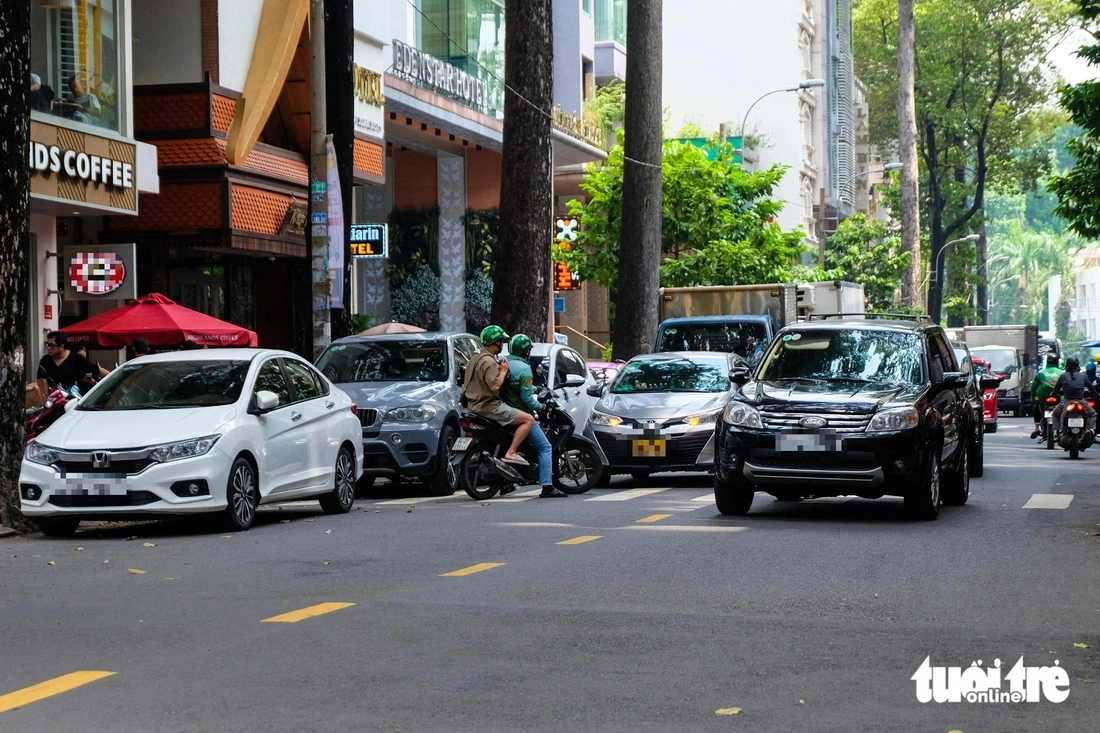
(520, 345)
(493, 334)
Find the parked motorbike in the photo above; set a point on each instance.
(40, 418)
(478, 457)
(1075, 435)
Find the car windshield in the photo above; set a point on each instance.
(167, 385)
(850, 355)
(672, 375)
(1000, 360)
(386, 361)
(747, 340)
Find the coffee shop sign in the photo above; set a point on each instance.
(80, 165)
(581, 129)
(416, 66)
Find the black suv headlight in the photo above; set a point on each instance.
(893, 420)
(743, 416)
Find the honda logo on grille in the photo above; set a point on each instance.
(813, 422)
(101, 459)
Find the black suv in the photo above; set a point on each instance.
(863, 407)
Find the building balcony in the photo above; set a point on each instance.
(610, 63)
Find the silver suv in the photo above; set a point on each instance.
(407, 389)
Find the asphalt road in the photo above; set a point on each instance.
(661, 615)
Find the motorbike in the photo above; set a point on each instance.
(40, 418)
(1075, 435)
(478, 457)
(1047, 434)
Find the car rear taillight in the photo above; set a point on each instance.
(355, 409)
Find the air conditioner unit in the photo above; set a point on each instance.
(807, 301)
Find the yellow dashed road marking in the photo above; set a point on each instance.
(653, 518)
(49, 688)
(580, 540)
(472, 569)
(302, 614)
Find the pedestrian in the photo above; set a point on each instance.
(64, 368)
(141, 347)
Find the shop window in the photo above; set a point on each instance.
(75, 60)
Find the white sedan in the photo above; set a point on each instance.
(220, 430)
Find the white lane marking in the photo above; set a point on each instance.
(1049, 501)
(683, 528)
(418, 500)
(626, 495)
(506, 499)
(708, 498)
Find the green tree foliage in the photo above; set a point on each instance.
(869, 253)
(982, 80)
(1078, 189)
(607, 108)
(718, 224)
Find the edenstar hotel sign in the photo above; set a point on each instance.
(416, 66)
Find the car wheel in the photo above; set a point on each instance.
(923, 503)
(241, 496)
(58, 526)
(342, 496)
(733, 495)
(444, 480)
(956, 486)
(991, 427)
(977, 461)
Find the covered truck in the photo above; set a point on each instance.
(1012, 351)
(742, 319)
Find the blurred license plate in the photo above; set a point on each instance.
(1076, 422)
(649, 448)
(462, 444)
(92, 487)
(806, 442)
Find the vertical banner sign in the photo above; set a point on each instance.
(335, 228)
(565, 235)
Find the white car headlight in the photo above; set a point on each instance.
(38, 453)
(421, 413)
(706, 418)
(183, 449)
(602, 418)
(742, 415)
(894, 420)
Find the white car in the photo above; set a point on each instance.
(219, 430)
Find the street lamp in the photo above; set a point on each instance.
(804, 84)
(939, 256)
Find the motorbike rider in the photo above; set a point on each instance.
(519, 392)
(1073, 386)
(481, 387)
(1041, 388)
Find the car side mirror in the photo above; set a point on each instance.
(951, 380)
(989, 383)
(596, 390)
(264, 401)
(739, 376)
(574, 380)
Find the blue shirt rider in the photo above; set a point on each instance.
(519, 392)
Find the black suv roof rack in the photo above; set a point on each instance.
(889, 316)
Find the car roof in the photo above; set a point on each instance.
(690, 355)
(542, 348)
(424, 336)
(733, 318)
(861, 324)
(230, 354)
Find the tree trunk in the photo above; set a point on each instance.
(907, 153)
(635, 326)
(339, 86)
(15, 33)
(522, 282)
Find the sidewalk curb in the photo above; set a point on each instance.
(9, 532)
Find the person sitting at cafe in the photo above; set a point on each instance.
(81, 105)
(65, 368)
(42, 95)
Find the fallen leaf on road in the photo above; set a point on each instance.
(876, 595)
(727, 711)
(284, 521)
(801, 702)
(131, 538)
(135, 571)
(377, 511)
(312, 519)
(1080, 645)
(79, 549)
(169, 578)
(1086, 681)
(150, 544)
(328, 562)
(106, 561)
(328, 531)
(409, 510)
(227, 536)
(51, 562)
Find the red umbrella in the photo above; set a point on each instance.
(159, 321)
